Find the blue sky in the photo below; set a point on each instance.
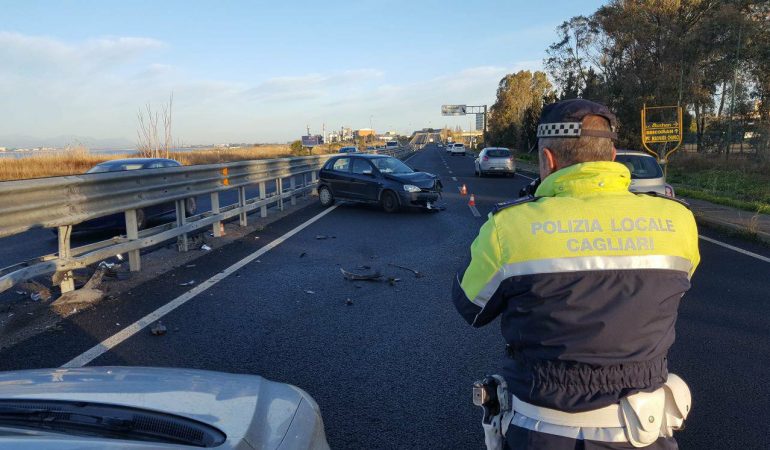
(260, 71)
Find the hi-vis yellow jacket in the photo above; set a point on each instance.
(587, 278)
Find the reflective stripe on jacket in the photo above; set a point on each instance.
(587, 281)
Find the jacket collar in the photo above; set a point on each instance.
(586, 179)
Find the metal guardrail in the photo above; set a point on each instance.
(62, 202)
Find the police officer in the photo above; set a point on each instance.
(586, 278)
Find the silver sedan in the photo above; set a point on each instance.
(646, 173)
(495, 160)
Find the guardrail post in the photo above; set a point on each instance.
(279, 188)
(314, 180)
(132, 233)
(181, 219)
(293, 187)
(67, 283)
(217, 227)
(242, 203)
(262, 196)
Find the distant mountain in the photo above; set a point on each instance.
(22, 141)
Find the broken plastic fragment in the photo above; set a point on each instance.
(376, 276)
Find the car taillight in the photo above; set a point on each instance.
(670, 191)
(485, 158)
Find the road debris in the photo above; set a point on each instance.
(35, 290)
(158, 329)
(393, 281)
(187, 283)
(303, 254)
(321, 237)
(309, 292)
(106, 265)
(190, 266)
(205, 248)
(349, 302)
(376, 276)
(416, 273)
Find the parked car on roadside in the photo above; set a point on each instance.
(144, 215)
(495, 160)
(457, 149)
(349, 149)
(646, 173)
(376, 179)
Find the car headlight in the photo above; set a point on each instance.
(411, 188)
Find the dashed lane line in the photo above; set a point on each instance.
(119, 337)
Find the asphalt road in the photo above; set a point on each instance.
(394, 369)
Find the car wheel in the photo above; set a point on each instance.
(326, 197)
(389, 202)
(190, 206)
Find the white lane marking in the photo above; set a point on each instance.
(524, 176)
(454, 178)
(112, 341)
(474, 211)
(736, 249)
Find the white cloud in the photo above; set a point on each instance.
(95, 88)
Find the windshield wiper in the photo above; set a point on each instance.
(51, 416)
(108, 421)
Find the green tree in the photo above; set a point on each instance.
(297, 149)
(520, 97)
(664, 52)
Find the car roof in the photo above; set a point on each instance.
(362, 155)
(634, 152)
(137, 161)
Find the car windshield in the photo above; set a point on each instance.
(391, 165)
(641, 166)
(498, 153)
(115, 167)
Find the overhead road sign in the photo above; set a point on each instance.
(453, 110)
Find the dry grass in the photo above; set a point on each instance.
(77, 160)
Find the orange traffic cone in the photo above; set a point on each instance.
(472, 201)
(463, 190)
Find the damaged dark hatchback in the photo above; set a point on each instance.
(377, 179)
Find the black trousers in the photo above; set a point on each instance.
(518, 438)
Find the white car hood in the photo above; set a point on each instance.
(252, 412)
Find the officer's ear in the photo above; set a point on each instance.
(614, 152)
(547, 162)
